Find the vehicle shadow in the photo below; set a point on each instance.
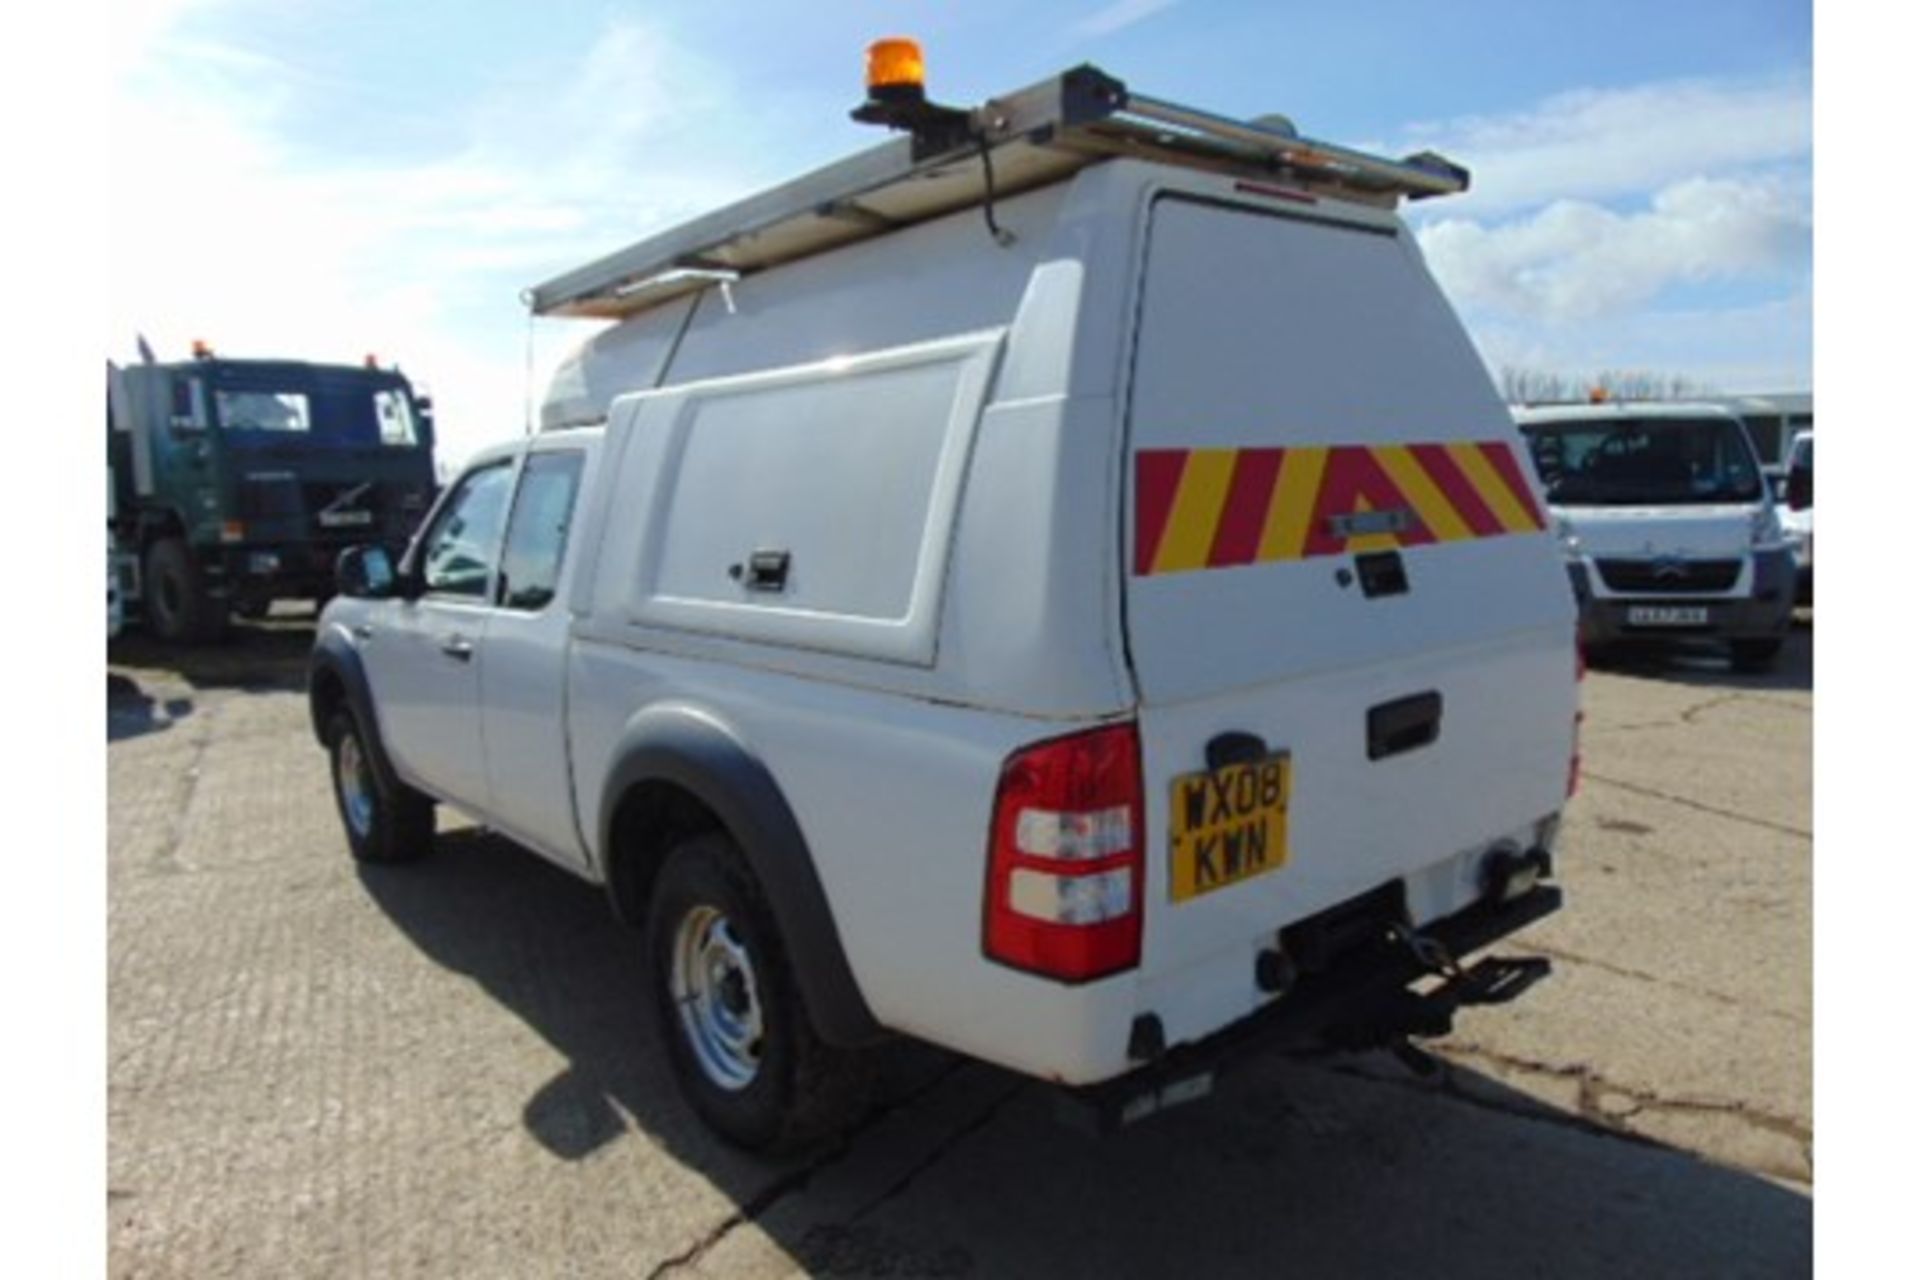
(1793, 671)
(251, 656)
(1325, 1170)
(131, 711)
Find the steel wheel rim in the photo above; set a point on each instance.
(712, 986)
(356, 785)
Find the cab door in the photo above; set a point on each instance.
(424, 656)
(523, 667)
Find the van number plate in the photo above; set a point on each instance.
(1229, 825)
(1667, 615)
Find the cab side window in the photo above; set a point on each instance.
(457, 558)
(537, 532)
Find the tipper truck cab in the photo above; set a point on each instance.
(1070, 594)
(237, 482)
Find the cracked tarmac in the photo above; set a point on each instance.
(316, 1070)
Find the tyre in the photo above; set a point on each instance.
(741, 1043)
(178, 607)
(1756, 655)
(383, 825)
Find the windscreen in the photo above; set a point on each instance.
(1644, 461)
(264, 409)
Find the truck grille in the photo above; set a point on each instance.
(1669, 577)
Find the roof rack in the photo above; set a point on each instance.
(1040, 135)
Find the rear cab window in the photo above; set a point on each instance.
(537, 532)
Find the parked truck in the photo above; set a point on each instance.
(235, 483)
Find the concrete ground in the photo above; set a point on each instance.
(444, 1069)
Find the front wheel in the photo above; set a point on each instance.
(383, 824)
(741, 1043)
(179, 606)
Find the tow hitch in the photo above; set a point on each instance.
(1494, 980)
(1392, 986)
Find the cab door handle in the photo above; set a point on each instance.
(459, 648)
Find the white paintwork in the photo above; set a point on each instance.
(615, 361)
(523, 699)
(889, 756)
(780, 462)
(430, 703)
(1269, 330)
(1798, 525)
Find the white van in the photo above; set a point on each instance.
(1667, 524)
(1796, 497)
(1069, 594)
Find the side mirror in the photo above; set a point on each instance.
(366, 573)
(1800, 488)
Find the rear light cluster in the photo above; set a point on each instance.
(1064, 860)
(1579, 713)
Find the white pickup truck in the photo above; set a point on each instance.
(1093, 614)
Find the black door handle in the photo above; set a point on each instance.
(767, 570)
(1405, 724)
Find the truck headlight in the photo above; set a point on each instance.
(1766, 529)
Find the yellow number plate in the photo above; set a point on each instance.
(1229, 825)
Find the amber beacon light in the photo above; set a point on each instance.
(896, 70)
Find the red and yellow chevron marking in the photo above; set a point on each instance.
(1211, 508)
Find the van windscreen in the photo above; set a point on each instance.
(1643, 461)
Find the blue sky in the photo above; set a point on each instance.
(371, 177)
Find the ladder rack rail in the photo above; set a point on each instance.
(1038, 135)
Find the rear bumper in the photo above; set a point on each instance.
(1764, 612)
(1362, 1001)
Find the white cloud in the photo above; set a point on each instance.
(1577, 260)
(1601, 221)
(221, 230)
(1596, 144)
(1118, 16)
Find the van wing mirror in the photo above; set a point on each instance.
(366, 573)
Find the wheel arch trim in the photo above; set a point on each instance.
(334, 657)
(693, 751)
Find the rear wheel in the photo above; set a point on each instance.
(1756, 655)
(741, 1043)
(178, 606)
(383, 824)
